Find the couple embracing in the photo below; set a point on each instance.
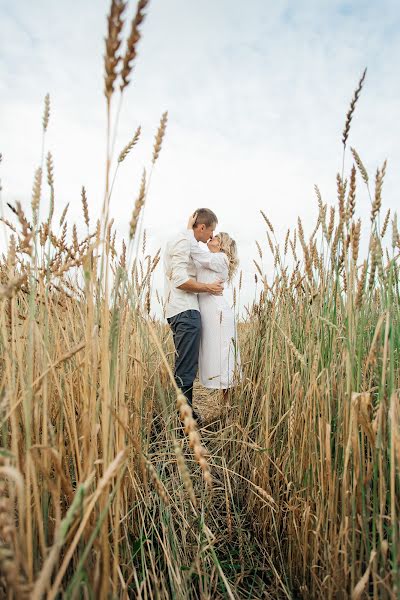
(202, 321)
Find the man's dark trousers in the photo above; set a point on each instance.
(186, 331)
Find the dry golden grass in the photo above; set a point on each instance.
(290, 490)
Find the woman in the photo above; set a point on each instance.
(219, 359)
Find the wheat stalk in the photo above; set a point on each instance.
(351, 201)
(190, 427)
(85, 206)
(46, 113)
(132, 43)
(113, 42)
(268, 222)
(385, 223)
(138, 207)
(184, 471)
(377, 202)
(350, 112)
(159, 136)
(36, 193)
(124, 153)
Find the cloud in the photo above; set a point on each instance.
(257, 96)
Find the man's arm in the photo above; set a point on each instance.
(180, 256)
(216, 289)
(180, 275)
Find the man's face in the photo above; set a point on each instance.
(205, 233)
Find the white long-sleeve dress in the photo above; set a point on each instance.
(219, 357)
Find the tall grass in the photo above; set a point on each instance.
(322, 406)
(291, 491)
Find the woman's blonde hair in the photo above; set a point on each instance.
(228, 246)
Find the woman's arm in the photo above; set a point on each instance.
(215, 261)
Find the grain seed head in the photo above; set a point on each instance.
(159, 136)
(113, 42)
(132, 43)
(350, 112)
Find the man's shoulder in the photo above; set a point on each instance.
(179, 236)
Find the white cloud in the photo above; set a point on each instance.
(257, 96)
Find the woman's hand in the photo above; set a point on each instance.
(192, 221)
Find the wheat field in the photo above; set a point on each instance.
(109, 490)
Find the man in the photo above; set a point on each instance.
(181, 304)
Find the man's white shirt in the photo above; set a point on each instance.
(178, 268)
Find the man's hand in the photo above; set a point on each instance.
(216, 289)
(192, 221)
(195, 287)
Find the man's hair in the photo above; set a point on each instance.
(206, 217)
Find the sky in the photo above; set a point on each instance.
(257, 94)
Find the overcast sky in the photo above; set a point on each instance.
(257, 94)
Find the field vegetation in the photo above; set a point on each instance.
(107, 487)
